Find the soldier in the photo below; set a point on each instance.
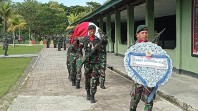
(68, 54)
(103, 59)
(139, 91)
(72, 58)
(64, 43)
(59, 43)
(48, 41)
(92, 63)
(5, 46)
(70, 33)
(55, 41)
(79, 67)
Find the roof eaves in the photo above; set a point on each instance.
(99, 10)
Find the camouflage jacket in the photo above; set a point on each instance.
(88, 46)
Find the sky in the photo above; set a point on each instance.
(68, 2)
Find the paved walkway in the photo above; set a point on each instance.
(48, 89)
(180, 89)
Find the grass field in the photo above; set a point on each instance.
(10, 70)
(22, 50)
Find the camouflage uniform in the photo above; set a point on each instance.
(48, 41)
(59, 43)
(68, 62)
(73, 68)
(92, 67)
(79, 67)
(55, 41)
(140, 92)
(103, 59)
(5, 46)
(64, 43)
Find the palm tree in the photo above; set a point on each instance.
(71, 19)
(5, 13)
(16, 22)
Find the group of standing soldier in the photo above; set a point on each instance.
(94, 62)
(57, 40)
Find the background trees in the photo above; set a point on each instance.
(38, 19)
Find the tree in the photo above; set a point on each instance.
(93, 5)
(28, 10)
(5, 12)
(16, 22)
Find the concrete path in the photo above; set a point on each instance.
(19, 55)
(48, 89)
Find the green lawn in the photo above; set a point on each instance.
(10, 70)
(22, 50)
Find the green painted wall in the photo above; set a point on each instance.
(181, 55)
(188, 62)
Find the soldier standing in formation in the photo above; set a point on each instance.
(72, 61)
(68, 53)
(139, 91)
(64, 42)
(5, 46)
(59, 43)
(48, 41)
(92, 63)
(55, 41)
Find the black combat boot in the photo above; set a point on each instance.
(88, 94)
(92, 99)
(78, 84)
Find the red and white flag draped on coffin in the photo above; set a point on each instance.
(81, 30)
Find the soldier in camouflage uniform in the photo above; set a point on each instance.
(5, 46)
(68, 54)
(139, 91)
(103, 59)
(79, 67)
(59, 43)
(92, 63)
(55, 41)
(48, 41)
(73, 58)
(64, 43)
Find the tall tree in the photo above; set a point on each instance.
(93, 5)
(16, 22)
(28, 9)
(5, 12)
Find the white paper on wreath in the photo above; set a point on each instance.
(151, 74)
(142, 61)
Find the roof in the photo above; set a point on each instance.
(99, 10)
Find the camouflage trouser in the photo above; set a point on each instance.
(102, 69)
(59, 46)
(5, 50)
(54, 45)
(92, 74)
(69, 69)
(79, 67)
(73, 68)
(139, 92)
(48, 44)
(64, 46)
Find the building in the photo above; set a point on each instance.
(178, 17)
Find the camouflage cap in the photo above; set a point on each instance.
(141, 28)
